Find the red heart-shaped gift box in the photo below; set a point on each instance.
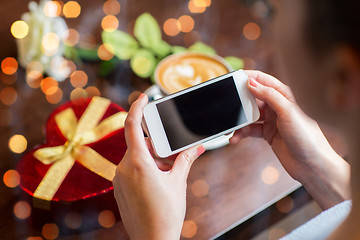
(81, 190)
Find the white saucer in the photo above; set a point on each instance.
(154, 93)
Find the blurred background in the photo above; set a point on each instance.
(66, 59)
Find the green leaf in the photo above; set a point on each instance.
(178, 49)
(235, 62)
(202, 48)
(123, 44)
(148, 33)
(70, 53)
(88, 54)
(143, 63)
(108, 67)
(162, 50)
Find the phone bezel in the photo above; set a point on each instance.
(156, 131)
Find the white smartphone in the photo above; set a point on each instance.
(200, 113)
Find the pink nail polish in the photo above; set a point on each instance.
(200, 150)
(253, 83)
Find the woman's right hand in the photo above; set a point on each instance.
(296, 140)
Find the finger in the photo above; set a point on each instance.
(170, 159)
(253, 130)
(262, 114)
(184, 160)
(163, 166)
(278, 102)
(150, 146)
(260, 104)
(134, 134)
(270, 81)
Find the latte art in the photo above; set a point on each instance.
(181, 71)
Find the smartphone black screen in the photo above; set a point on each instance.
(201, 113)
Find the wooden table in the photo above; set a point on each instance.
(226, 186)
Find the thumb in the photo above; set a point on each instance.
(185, 159)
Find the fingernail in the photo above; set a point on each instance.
(200, 150)
(253, 82)
(142, 96)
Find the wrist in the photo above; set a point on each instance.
(160, 229)
(163, 234)
(327, 179)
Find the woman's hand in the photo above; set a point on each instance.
(297, 141)
(152, 202)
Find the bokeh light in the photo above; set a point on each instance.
(50, 44)
(270, 175)
(19, 29)
(285, 205)
(18, 143)
(200, 188)
(22, 210)
(8, 95)
(61, 3)
(106, 52)
(9, 65)
(251, 31)
(73, 220)
(34, 78)
(66, 67)
(207, 3)
(186, 23)
(197, 6)
(62, 67)
(51, 90)
(34, 238)
(52, 9)
(189, 229)
(92, 91)
(78, 93)
(106, 219)
(49, 85)
(111, 7)
(71, 65)
(109, 23)
(11, 178)
(72, 38)
(78, 79)
(54, 97)
(50, 231)
(72, 9)
(172, 27)
(199, 3)
(35, 66)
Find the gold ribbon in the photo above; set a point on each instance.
(78, 133)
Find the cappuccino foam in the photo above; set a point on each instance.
(179, 72)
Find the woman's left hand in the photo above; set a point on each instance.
(152, 202)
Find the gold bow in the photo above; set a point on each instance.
(78, 133)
